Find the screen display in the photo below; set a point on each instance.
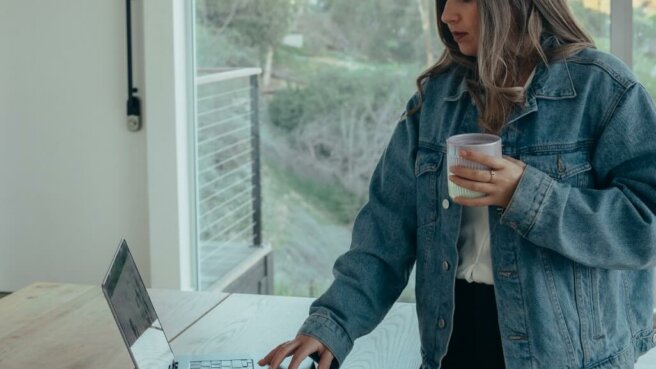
(134, 313)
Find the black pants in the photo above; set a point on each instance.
(475, 341)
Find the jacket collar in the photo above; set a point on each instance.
(550, 81)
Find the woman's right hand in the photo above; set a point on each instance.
(300, 347)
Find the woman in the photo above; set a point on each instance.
(568, 221)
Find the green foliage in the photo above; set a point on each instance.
(594, 22)
(264, 23)
(332, 89)
(644, 33)
(335, 202)
(286, 108)
(383, 31)
(260, 24)
(225, 49)
(645, 49)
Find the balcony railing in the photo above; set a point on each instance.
(227, 172)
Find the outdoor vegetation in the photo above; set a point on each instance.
(336, 77)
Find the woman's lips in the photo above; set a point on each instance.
(459, 35)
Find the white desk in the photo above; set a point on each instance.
(59, 326)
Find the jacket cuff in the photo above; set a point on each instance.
(527, 201)
(331, 334)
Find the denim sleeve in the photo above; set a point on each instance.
(613, 226)
(372, 274)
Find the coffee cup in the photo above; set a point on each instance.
(484, 143)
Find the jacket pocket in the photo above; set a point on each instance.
(571, 167)
(428, 167)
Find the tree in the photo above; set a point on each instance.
(378, 30)
(336, 131)
(261, 24)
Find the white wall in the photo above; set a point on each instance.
(73, 180)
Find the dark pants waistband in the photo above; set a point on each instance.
(475, 341)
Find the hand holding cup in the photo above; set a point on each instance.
(479, 174)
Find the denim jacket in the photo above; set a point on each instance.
(573, 252)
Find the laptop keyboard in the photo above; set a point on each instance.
(222, 364)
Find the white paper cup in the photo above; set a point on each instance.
(480, 142)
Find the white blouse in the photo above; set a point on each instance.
(475, 264)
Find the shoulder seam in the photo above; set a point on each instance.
(623, 81)
(613, 108)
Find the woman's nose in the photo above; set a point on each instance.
(449, 15)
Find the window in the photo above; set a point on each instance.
(335, 76)
(644, 43)
(594, 16)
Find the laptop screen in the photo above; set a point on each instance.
(134, 313)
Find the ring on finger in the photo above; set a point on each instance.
(492, 174)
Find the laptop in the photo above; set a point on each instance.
(142, 331)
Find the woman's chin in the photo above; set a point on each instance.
(468, 51)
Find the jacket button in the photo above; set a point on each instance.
(441, 323)
(445, 204)
(445, 265)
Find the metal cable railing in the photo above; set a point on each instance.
(227, 166)
(210, 97)
(229, 147)
(241, 196)
(237, 104)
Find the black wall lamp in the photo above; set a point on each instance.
(133, 104)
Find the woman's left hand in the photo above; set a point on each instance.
(498, 183)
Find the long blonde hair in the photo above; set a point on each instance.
(510, 39)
